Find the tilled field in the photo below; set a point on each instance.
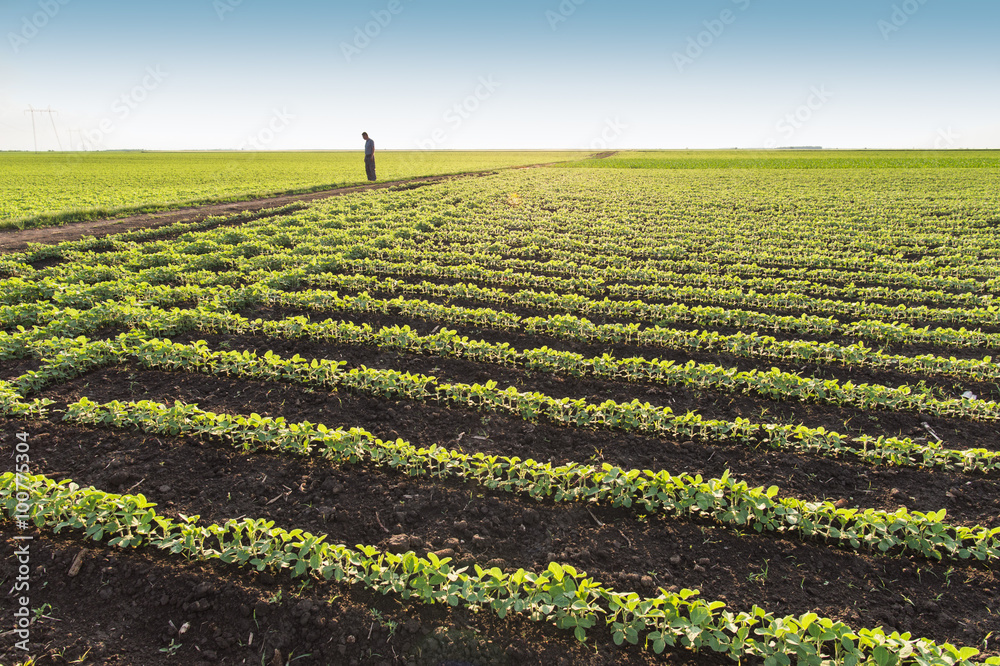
(481, 422)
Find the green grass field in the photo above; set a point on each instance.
(797, 159)
(39, 189)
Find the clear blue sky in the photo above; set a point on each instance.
(190, 74)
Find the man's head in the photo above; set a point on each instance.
(364, 135)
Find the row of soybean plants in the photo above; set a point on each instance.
(728, 502)
(659, 420)
(110, 282)
(213, 315)
(417, 211)
(621, 210)
(775, 383)
(231, 249)
(205, 262)
(87, 286)
(560, 594)
(287, 247)
(658, 621)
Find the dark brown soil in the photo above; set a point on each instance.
(970, 499)
(129, 622)
(961, 434)
(13, 369)
(364, 504)
(127, 607)
(139, 593)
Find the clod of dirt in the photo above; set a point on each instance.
(202, 590)
(398, 543)
(198, 606)
(332, 486)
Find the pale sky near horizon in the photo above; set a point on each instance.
(546, 74)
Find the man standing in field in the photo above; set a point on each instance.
(369, 156)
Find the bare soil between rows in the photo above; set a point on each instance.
(363, 504)
(946, 386)
(523, 311)
(122, 605)
(970, 499)
(848, 420)
(369, 505)
(127, 607)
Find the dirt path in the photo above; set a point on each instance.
(15, 241)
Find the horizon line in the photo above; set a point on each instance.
(784, 149)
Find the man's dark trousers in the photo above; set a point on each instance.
(370, 166)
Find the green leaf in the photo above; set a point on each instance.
(883, 657)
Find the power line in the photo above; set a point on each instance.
(34, 133)
(82, 142)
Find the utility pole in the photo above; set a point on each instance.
(81, 142)
(34, 134)
(51, 113)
